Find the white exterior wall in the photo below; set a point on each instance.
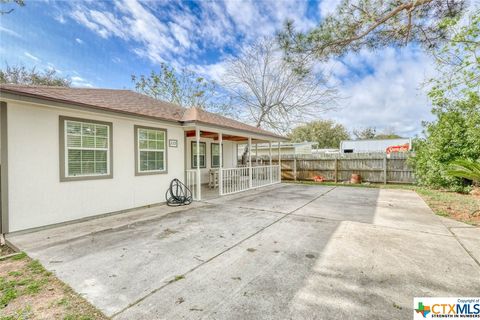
(380, 145)
(36, 195)
(229, 155)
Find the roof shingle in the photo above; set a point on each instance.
(129, 102)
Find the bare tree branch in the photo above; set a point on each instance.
(271, 93)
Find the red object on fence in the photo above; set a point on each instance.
(318, 179)
(402, 148)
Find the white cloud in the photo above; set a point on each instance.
(327, 7)
(78, 40)
(386, 96)
(78, 81)
(214, 71)
(60, 18)
(180, 34)
(31, 56)
(52, 66)
(9, 32)
(162, 31)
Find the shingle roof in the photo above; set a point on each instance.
(117, 100)
(129, 102)
(200, 115)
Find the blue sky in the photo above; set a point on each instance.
(101, 44)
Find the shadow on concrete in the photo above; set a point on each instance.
(289, 251)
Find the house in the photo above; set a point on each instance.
(286, 148)
(75, 153)
(373, 145)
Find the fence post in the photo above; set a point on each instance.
(295, 167)
(336, 169)
(385, 169)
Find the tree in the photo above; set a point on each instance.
(360, 24)
(326, 133)
(371, 133)
(455, 134)
(271, 94)
(20, 3)
(387, 136)
(387, 133)
(22, 75)
(183, 87)
(366, 133)
(458, 63)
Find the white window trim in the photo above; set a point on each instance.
(194, 157)
(211, 154)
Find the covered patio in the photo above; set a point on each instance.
(209, 175)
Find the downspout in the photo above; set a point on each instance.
(4, 172)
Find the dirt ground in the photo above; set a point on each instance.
(458, 206)
(5, 250)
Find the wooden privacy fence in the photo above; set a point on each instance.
(373, 167)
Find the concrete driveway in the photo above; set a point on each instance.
(285, 251)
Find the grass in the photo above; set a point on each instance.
(177, 278)
(28, 291)
(454, 205)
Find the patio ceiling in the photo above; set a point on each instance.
(214, 136)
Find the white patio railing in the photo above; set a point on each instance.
(238, 179)
(261, 176)
(235, 180)
(191, 183)
(276, 174)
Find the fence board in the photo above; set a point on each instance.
(339, 167)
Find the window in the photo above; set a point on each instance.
(86, 149)
(215, 152)
(203, 153)
(150, 150)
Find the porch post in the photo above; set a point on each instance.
(270, 156)
(220, 169)
(199, 185)
(279, 163)
(256, 153)
(249, 162)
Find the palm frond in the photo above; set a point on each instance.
(467, 169)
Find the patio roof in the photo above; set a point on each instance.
(130, 103)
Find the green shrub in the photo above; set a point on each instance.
(454, 135)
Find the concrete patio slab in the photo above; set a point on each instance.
(256, 280)
(116, 267)
(470, 239)
(286, 198)
(45, 237)
(285, 251)
(400, 209)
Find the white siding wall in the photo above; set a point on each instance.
(229, 153)
(359, 146)
(36, 195)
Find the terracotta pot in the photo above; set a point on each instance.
(356, 179)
